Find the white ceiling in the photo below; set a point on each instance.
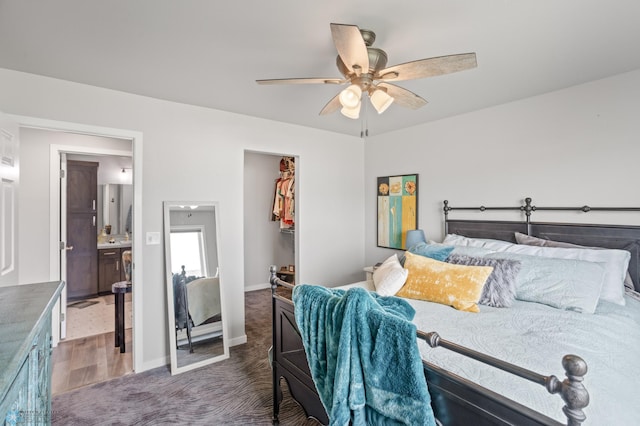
(210, 53)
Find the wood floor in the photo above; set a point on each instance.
(89, 360)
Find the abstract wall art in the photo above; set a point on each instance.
(397, 209)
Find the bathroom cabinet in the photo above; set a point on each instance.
(25, 353)
(82, 235)
(109, 268)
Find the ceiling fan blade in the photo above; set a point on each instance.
(351, 47)
(428, 67)
(332, 106)
(303, 81)
(403, 97)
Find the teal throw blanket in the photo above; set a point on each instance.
(363, 356)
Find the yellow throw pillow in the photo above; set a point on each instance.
(459, 286)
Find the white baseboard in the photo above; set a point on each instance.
(257, 287)
(155, 363)
(241, 340)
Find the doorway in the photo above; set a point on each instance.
(61, 139)
(98, 214)
(92, 199)
(270, 236)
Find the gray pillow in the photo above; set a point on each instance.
(541, 242)
(500, 289)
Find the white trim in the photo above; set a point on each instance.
(136, 139)
(240, 340)
(155, 363)
(257, 287)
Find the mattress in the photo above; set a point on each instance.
(536, 337)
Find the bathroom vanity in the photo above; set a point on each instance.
(110, 268)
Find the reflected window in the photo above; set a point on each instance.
(187, 248)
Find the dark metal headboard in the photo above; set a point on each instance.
(608, 236)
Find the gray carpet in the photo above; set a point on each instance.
(236, 391)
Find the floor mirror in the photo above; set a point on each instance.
(195, 292)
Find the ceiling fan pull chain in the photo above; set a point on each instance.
(364, 123)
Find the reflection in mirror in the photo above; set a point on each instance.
(196, 315)
(115, 207)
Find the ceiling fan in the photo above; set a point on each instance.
(365, 70)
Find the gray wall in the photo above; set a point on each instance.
(196, 153)
(567, 148)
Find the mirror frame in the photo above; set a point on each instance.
(175, 369)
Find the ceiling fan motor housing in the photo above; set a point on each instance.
(377, 61)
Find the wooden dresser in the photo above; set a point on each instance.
(25, 352)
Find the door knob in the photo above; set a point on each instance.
(68, 248)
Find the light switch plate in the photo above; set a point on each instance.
(153, 238)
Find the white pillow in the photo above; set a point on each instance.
(460, 240)
(389, 277)
(616, 262)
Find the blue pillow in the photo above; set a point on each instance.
(434, 251)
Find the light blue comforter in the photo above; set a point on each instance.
(363, 356)
(536, 337)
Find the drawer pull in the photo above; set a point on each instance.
(109, 253)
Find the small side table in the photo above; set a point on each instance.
(119, 289)
(287, 276)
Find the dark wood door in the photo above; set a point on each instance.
(109, 269)
(82, 235)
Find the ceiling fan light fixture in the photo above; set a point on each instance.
(381, 100)
(353, 113)
(350, 97)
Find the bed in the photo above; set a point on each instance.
(470, 378)
(197, 308)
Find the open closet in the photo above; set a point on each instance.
(270, 219)
(284, 210)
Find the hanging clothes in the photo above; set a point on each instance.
(288, 207)
(283, 200)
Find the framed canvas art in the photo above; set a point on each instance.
(397, 209)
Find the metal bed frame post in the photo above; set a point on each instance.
(274, 372)
(277, 392)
